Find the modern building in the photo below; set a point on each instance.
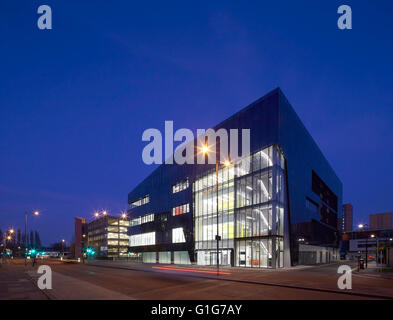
(367, 240)
(277, 206)
(108, 236)
(347, 218)
(80, 237)
(381, 220)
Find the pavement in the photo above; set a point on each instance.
(15, 284)
(111, 280)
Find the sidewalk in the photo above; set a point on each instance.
(373, 271)
(69, 288)
(16, 285)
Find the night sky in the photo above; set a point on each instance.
(75, 100)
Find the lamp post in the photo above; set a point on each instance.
(35, 213)
(7, 238)
(361, 226)
(82, 246)
(62, 246)
(205, 150)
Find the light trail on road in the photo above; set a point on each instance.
(191, 270)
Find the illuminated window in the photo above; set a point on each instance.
(141, 220)
(180, 186)
(147, 218)
(135, 222)
(178, 235)
(140, 202)
(185, 208)
(143, 239)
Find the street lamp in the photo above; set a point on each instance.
(34, 213)
(7, 238)
(227, 163)
(62, 246)
(361, 226)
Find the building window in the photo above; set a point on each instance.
(143, 239)
(140, 202)
(141, 220)
(178, 235)
(135, 222)
(312, 206)
(185, 208)
(257, 214)
(180, 186)
(181, 257)
(147, 218)
(320, 188)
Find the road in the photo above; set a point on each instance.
(111, 281)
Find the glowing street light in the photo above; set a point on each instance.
(96, 214)
(35, 213)
(104, 212)
(124, 215)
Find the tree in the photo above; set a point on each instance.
(18, 238)
(13, 242)
(24, 240)
(32, 243)
(37, 239)
(57, 246)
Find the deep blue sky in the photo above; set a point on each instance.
(75, 100)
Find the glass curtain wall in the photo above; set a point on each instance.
(205, 209)
(251, 207)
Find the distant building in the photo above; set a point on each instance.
(108, 235)
(381, 220)
(80, 236)
(347, 217)
(362, 241)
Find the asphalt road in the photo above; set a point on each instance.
(78, 281)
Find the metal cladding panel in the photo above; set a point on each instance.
(303, 157)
